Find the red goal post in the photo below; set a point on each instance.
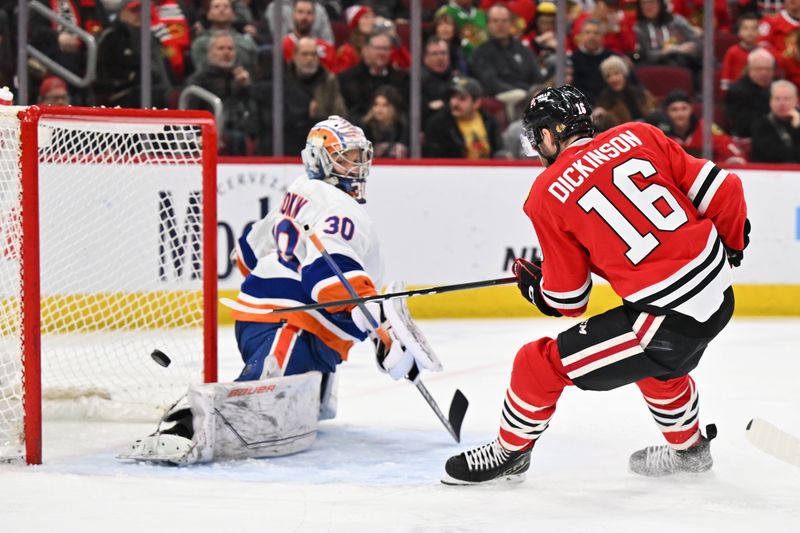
(108, 251)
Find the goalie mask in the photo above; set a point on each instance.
(337, 152)
(564, 111)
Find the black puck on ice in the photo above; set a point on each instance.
(161, 358)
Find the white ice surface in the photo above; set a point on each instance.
(377, 466)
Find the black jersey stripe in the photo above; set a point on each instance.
(712, 175)
(571, 300)
(700, 286)
(686, 278)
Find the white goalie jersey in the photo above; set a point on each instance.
(284, 270)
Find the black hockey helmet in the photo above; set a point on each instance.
(564, 111)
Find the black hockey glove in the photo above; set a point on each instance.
(735, 256)
(529, 276)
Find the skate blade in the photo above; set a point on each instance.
(502, 480)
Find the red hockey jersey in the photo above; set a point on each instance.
(632, 207)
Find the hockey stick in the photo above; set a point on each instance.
(773, 441)
(459, 404)
(233, 304)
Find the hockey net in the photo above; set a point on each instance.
(119, 260)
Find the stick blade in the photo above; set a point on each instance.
(773, 441)
(458, 409)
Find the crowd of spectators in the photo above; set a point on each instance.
(481, 61)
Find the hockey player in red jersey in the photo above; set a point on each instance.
(663, 228)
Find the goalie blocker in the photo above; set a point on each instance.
(274, 416)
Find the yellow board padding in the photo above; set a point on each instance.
(77, 313)
(506, 301)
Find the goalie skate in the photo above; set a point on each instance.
(486, 464)
(657, 461)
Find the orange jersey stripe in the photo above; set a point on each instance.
(303, 321)
(363, 286)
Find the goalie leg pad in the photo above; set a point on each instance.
(266, 418)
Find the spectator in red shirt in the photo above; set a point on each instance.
(692, 10)
(790, 59)
(302, 22)
(360, 22)
(735, 60)
(686, 128)
(775, 29)
(616, 24)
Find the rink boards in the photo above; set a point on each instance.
(443, 223)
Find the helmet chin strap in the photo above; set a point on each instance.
(552, 158)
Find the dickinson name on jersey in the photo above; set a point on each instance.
(591, 160)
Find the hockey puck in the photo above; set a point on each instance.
(161, 358)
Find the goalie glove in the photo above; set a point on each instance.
(392, 358)
(529, 277)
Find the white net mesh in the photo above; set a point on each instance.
(11, 409)
(121, 268)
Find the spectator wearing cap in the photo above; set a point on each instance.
(680, 123)
(462, 130)
(748, 98)
(53, 91)
(437, 77)
(221, 17)
(587, 57)
(321, 27)
(542, 39)
(505, 67)
(361, 23)
(119, 62)
(776, 136)
(621, 100)
(360, 82)
(302, 22)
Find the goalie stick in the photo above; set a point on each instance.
(459, 404)
(233, 304)
(773, 441)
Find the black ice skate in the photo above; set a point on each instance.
(655, 461)
(490, 462)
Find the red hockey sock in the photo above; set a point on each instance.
(537, 380)
(674, 405)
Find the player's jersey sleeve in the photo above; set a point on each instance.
(715, 193)
(566, 277)
(256, 241)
